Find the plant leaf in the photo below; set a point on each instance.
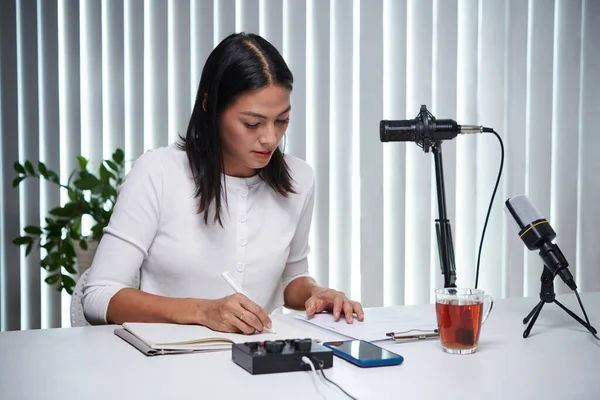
(28, 248)
(68, 281)
(73, 234)
(82, 161)
(33, 230)
(54, 229)
(62, 212)
(53, 267)
(112, 165)
(52, 279)
(19, 168)
(86, 181)
(83, 244)
(97, 231)
(18, 180)
(22, 240)
(70, 268)
(43, 170)
(49, 245)
(106, 192)
(118, 156)
(53, 260)
(29, 167)
(69, 249)
(53, 177)
(106, 175)
(76, 226)
(69, 289)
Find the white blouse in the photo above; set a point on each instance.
(156, 229)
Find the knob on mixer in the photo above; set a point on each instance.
(274, 346)
(303, 344)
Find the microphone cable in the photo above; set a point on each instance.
(487, 217)
(307, 360)
(320, 365)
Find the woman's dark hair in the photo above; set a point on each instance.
(241, 62)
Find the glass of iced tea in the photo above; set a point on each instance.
(460, 314)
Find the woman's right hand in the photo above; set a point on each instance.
(236, 313)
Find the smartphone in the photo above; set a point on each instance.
(364, 354)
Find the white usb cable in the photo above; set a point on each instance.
(315, 376)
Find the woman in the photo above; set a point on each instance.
(224, 199)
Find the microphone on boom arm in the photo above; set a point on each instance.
(425, 129)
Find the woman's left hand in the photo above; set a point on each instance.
(336, 302)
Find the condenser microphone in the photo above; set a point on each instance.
(424, 128)
(537, 234)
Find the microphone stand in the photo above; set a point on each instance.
(428, 133)
(547, 294)
(442, 224)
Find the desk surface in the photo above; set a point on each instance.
(560, 360)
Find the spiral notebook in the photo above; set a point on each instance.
(159, 338)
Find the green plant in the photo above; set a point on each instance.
(89, 194)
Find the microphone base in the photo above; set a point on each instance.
(547, 295)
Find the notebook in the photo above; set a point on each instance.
(158, 338)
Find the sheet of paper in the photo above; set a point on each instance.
(378, 321)
(174, 336)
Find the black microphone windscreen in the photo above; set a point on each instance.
(399, 131)
(521, 210)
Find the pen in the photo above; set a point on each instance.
(227, 276)
(417, 335)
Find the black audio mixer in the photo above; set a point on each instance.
(274, 356)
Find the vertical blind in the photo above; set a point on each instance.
(79, 77)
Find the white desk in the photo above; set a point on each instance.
(558, 361)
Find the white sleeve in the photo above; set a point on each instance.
(127, 238)
(297, 262)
